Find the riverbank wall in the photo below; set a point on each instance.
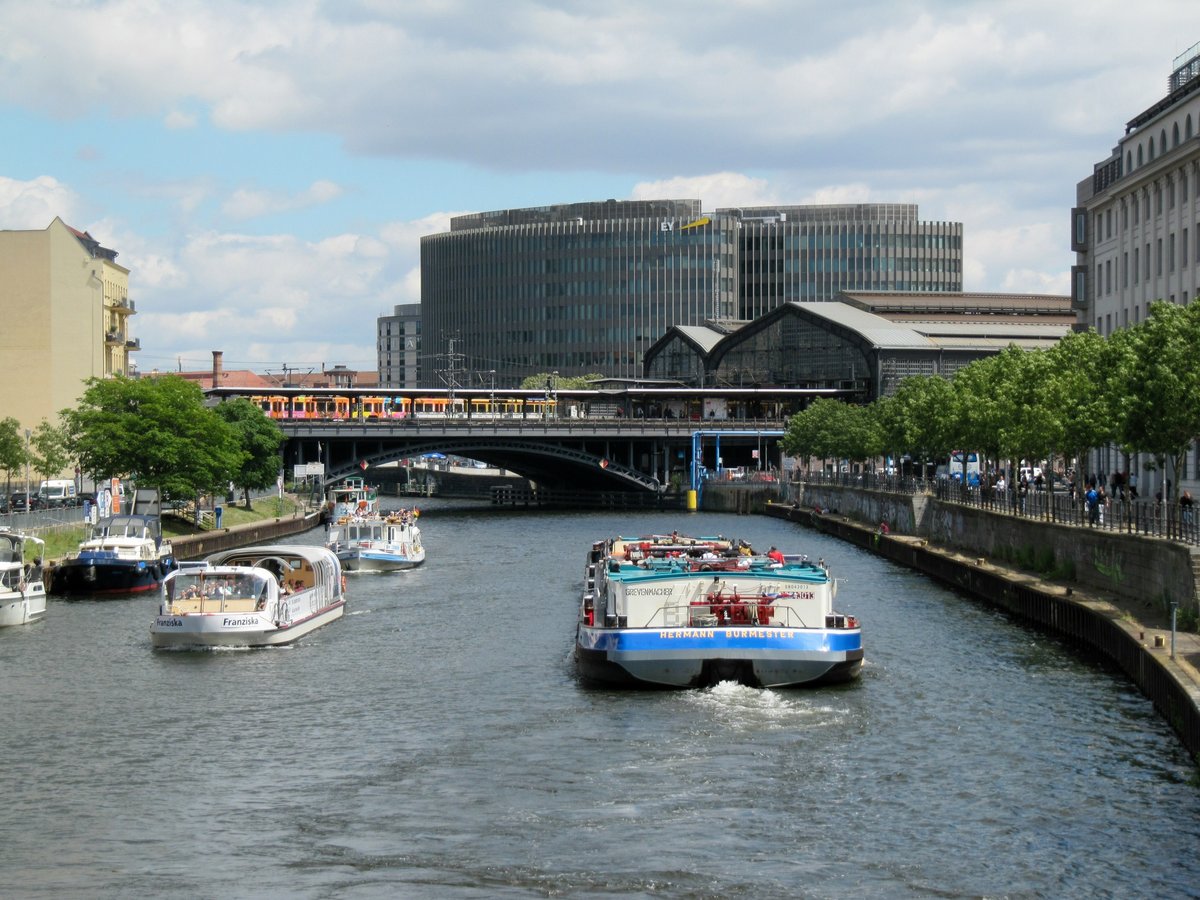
(1139, 568)
(198, 546)
(1162, 666)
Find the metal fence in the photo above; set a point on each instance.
(1148, 517)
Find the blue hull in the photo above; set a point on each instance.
(766, 656)
(90, 577)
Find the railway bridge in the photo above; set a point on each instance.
(581, 454)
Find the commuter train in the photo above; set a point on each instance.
(334, 407)
(694, 404)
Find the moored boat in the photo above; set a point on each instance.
(251, 597)
(124, 554)
(22, 589)
(377, 543)
(676, 612)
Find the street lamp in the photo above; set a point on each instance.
(28, 499)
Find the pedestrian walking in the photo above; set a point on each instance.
(1092, 500)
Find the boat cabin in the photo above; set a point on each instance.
(205, 590)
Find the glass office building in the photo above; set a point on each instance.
(588, 287)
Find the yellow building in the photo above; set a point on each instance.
(64, 309)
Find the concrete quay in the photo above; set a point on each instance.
(1115, 626)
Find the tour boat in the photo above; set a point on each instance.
(124, 554)
(22, 589)
(676, 612)
(252, 597)
(377, 543)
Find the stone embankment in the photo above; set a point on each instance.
(1125, 627)
(198, 546)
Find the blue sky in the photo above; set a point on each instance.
(266, 170)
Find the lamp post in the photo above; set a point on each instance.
(28, 498)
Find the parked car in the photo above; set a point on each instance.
(22, 502)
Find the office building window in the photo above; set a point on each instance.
(1125, 269)
(1135, 265)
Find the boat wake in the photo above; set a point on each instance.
(737, 706)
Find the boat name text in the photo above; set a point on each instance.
(783, 633)
(238, 622)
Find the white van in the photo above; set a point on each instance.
(58, 492)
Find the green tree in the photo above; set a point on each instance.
(1156, 377)
(1078, 389)
(917, 418)
(1030, 427)
(49, 454)
(259, 439)
(978, 411)
(831, 429)
(12, 450)
(155, 428)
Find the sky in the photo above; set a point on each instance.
(266, 169)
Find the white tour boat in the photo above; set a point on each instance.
(22, 587)
(251, 597)
(378, 543)
(352, 497)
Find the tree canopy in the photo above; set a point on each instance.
(259, 439)
(155, 429)
(1138, 388)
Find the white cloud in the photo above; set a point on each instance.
(244, 203)
(177, 120)
(31, 205)
(721, 189)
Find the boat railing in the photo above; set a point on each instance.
(740, 613)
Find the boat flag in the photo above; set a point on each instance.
(363, 465)
(604, 463)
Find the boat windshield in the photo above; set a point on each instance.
(10, 548)
(217, 588)
(124, 526)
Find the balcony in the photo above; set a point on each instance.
(113, 337)
(133, 344)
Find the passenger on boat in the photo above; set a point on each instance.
(775, 556)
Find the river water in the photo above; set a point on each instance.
(436, 743)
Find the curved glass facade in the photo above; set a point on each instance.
(803, 253)
(575, 289)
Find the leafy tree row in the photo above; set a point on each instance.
(155, 430)
(44, 453)
(1138, 389)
